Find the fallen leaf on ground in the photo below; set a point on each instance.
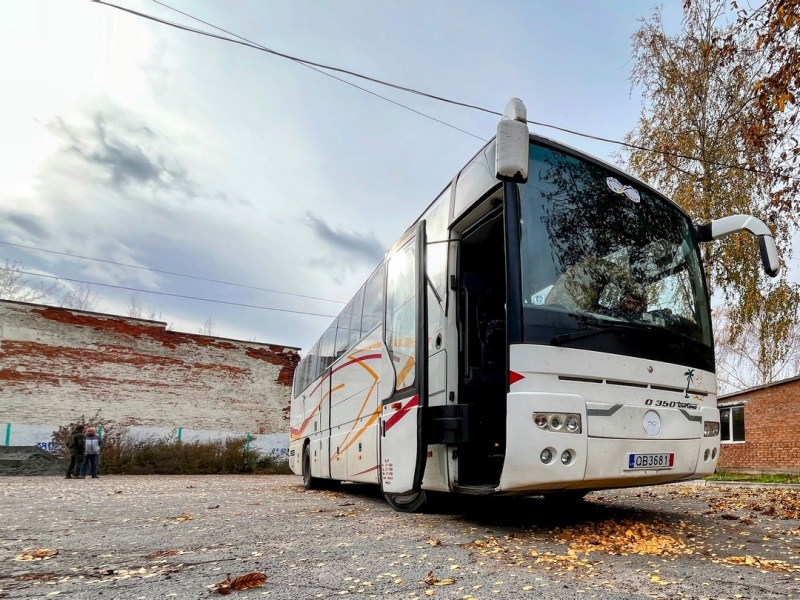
(430, 579)
(37, 554)
(243, 582)
(759, 563)
(185, 518)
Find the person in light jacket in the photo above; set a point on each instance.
(91, 452)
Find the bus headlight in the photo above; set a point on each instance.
(546, 456)
(558, 422)
(710, 429)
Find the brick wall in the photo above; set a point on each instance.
(58, 364)
(772, 438)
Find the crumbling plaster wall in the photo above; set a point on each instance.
(58, 364)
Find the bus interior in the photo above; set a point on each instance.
(483, 351)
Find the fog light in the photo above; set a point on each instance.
(706, 454)
(566, 457)
(572, 423)
(541, 421)
(546, 456)
(714, 453)
(556, 422)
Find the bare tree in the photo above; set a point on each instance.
(208, 328)
(134, 307)
(136, 310)
(82, 297)
(740, 361)
(14, 285)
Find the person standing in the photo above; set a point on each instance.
(91, 453)
(75, 444)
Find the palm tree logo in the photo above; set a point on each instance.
(689, 377)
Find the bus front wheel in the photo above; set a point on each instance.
(407, 503)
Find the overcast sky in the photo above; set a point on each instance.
(130, 141)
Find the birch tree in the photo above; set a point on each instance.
(700, 88)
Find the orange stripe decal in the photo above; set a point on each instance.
(298, 432)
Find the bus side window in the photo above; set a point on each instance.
(356, 307)
(298, 377)
(373, 301)
(349, 331)
(326, 347)
(436, 231)
(313, 365)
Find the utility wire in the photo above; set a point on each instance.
(243, 42)
(133, 289)
(305, 63)
(309, 65)
(119, 264)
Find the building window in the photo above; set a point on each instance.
(732, 424)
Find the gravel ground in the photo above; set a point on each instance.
(159, 537)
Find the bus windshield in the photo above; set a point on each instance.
(602, 253)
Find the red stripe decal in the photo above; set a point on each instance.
(391, 421)
(375, 468)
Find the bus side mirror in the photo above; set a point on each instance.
(719, 228)
(511, 156)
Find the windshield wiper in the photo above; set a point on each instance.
(618, 327)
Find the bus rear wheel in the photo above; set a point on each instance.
(407, 503)
(309, 482)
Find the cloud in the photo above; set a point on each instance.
(127, 152)
(361, 247)
(27, 223)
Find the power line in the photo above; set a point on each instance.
(119, 264)
(305, 63)
(244, 42)
(133, 289)
(321, 72)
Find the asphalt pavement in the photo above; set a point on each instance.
(142, 537)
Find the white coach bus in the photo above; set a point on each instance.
(544, 327)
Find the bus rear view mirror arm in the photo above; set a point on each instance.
(719, 228)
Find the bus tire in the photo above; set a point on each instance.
(309, 482)
(407, 503)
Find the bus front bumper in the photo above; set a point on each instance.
(594, 462)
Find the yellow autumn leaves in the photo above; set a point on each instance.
(623, 537)
(36, 554)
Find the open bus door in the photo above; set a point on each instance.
(403, 450)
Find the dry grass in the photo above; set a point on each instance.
(126, 454)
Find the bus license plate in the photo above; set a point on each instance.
(651, 461)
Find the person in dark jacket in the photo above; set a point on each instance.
(75, 444)
(91, 453)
